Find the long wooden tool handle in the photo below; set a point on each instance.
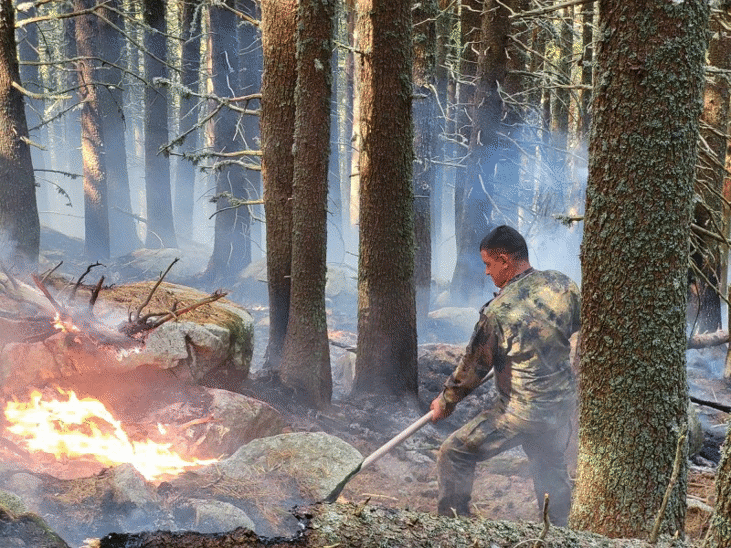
(388, 446)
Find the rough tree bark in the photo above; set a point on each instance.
(386, 359)
(306, 360)
(278, 27)
(20, 231)
(160, 228)
(96, 201)
(647, 100)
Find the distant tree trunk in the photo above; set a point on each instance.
(425, 136)
(486, 111)
(278, 28)
(122, 231)
(160, 228)
(719, 530)
(470, 204)
(586, 63)
(559, 156)
(20, 231)
(634, 396)
(28, 55)
(508, 178)
(189, 78)
(706, 253)
(96, 201)
(250, 83)
(386, 359)
(231, 245)
(306, 360)
(343, 112)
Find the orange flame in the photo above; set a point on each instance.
(85, 427)
(64, 324)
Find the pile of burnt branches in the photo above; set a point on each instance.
(37, 308)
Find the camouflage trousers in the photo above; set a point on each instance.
(489, 434)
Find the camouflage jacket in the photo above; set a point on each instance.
(523, 333)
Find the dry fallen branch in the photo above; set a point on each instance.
(136, 316)
(671, 484)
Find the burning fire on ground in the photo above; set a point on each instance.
(73, 427)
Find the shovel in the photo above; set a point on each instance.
(388, 446)
(378, 453)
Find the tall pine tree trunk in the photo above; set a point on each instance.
(20, 231)
(634, 396)
(96, 201)
(278, 27)
(306, 360)
(386, 359)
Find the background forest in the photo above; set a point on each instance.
(389, 136)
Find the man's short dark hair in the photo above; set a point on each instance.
(507, 240)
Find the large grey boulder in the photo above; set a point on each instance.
(316, 460)
(268, 476)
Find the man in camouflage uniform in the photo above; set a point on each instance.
(523, 334)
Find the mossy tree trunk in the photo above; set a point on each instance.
(386, 359)
(278, 28)
(647, 102)
(20, 231)
(306, 359)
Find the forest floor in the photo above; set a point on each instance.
(406, 478)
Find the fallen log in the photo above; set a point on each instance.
(366, 526)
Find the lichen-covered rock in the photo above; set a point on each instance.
(268, 476)
(316, 460)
